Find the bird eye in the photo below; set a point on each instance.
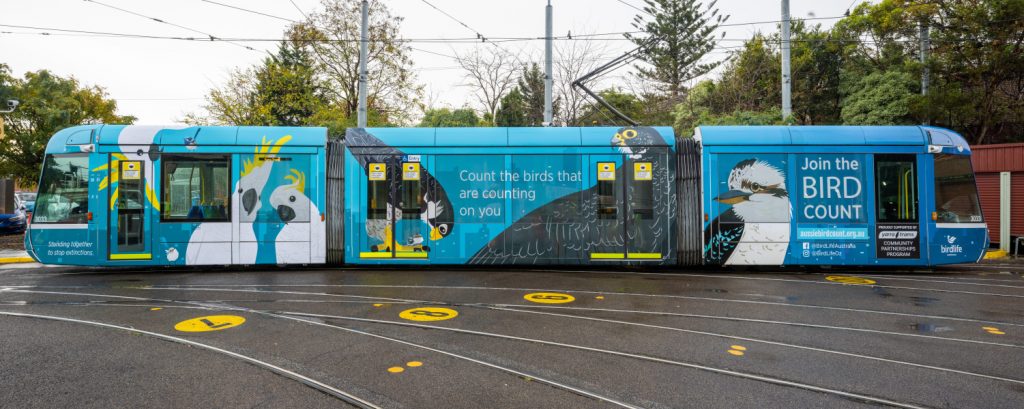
(757, 187)
(292, 199)
(443, 228)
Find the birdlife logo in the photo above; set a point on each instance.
(952, 248)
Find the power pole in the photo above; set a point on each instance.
(787, 107)
(364, 39)
(548, 109)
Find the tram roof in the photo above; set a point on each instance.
(78, 136)
(502, 137)
(830, 135)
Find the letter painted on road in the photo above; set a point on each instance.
(428, 314)
(209, 323)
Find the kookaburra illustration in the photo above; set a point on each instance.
(755, 229)
(569, 227)
(435, 210)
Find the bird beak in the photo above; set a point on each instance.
(435, 234)
(732, 197)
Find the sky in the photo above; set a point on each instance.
(159, 81)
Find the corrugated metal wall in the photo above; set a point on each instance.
(988, 192)
(989, 161)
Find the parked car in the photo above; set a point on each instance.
(28, 199)
(14, 223)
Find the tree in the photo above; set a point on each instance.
(49, 103)
(444, 117)
(679, 34)
(287, 88)
(573, 59)
(491, 74)
(880, 99)
(513, 110)
(331, 38)
(531, 85)
(627, 103)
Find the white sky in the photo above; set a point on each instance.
(160, 80)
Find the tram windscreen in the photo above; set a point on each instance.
(63, 190)
(956, 195)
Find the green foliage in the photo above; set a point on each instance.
(444, 117)
(287, 90)
(682, 33)
(880, 99)
(597, 115)
(512, 111)
(49, 103)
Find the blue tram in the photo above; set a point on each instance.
(113, 195)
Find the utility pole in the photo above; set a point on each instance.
(548, 109)
(364, 39)
(787, 108)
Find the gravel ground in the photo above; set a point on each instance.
(12, 242)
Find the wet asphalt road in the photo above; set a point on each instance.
(451, 339)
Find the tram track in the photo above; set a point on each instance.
(218, 306)
(305, 380)
(515, 308)
(593, 292)
(308, 318)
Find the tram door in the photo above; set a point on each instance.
(396, 195)
(128, 207)
(625, 224)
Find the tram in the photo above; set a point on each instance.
(114, 195)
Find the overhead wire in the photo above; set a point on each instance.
(211, 36)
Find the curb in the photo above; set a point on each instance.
(995, 254)
(14, 260)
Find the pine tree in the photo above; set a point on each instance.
(678, 34)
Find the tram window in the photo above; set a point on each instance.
(956, 195)
(63, 190)
(896, 188)
(412, 198)
(195, 188)
(607, 208)
(377, 192)
(641, 194)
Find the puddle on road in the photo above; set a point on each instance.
(930, 328)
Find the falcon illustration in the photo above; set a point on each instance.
(569, 228)
(435, 208)
(755, 229)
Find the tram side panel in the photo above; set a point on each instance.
(524, 205)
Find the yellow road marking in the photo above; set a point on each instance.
(735, 352)
(414, 364)
(428, 314)
(209, 323)
(396, 369)
(11, 260)
(600, 297)
(549, 298)
(990, 328)
(997, 332)
(850, 280)
(155, 309)
(739, 347)
(378, 305)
